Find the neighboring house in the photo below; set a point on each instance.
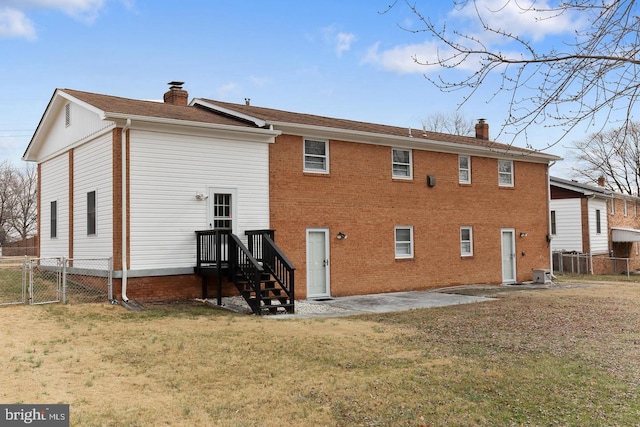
(356, 207)
(595, 221)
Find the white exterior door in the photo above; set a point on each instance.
(508, 255)
(318, 263)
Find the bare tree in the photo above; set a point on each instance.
(595, 72)
(614, 154)
(454, 123)
(7, 178)
(24, 216)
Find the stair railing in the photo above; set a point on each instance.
(276, 263)
(242, 263)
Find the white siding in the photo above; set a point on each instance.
(54, 187)
(168, 170)
(599, 242)
(84, 123)
(93, 172)
(568, 235)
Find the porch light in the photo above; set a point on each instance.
(201, 196)
(341, 236)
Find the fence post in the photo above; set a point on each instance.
(110, 283)
(63, 261)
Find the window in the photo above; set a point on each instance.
(316, 156)
(401, 162)
(626, 211)
(464, 169)
(91, 213)
(222, 212)
(612, 206)
(67, 114)
(598, 223)
(404, 242)
(554, 231)
(505, 173)
(466, 241)
(54, 219)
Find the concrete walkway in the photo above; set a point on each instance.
(376, 303)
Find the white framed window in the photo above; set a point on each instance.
(612, 206)
(404, 241)
(316, 156)
(464, 169)
(466, 241)
(598, 222)
(401, 163)
(91, 213)
(554, 227)
(626, 209)
(505, 173)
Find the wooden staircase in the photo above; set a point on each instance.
(261, 273)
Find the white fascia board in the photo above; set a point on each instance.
(229, 131)
(258, 122)
(408, 142)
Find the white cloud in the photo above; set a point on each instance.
(523, 18)
(340, 41)
(14, 23)
(530, 19)
(343, 42)
(227, 91)
(402, 59)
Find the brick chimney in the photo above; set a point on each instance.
(482, 129)
(602, 181)
(176, 95)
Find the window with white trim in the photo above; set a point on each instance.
(401, 163)
(222, 211)
(316, 156)
(612, 206)
(626, 209)
(91, 213)
(404, 241)
(466, 241)
(554, 229)
(505, 173)
(598, 222)
(464, 169)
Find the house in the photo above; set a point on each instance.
(596, 222)
(356, 207)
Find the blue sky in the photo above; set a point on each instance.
(335, 58)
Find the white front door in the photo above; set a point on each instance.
(317, 263)
(508, 255)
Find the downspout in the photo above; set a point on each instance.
(123, 215)
(550, 237)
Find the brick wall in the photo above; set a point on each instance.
(360, 198)
(170, 288)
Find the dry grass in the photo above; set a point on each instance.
(556, 357)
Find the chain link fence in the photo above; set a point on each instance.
(12, 279)
(50, 280)
(585, 263)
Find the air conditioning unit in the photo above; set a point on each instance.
(541, 277)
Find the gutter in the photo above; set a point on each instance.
(123, 215)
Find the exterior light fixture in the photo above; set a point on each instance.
(341, 236)
(523, 234)
(201, 196)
